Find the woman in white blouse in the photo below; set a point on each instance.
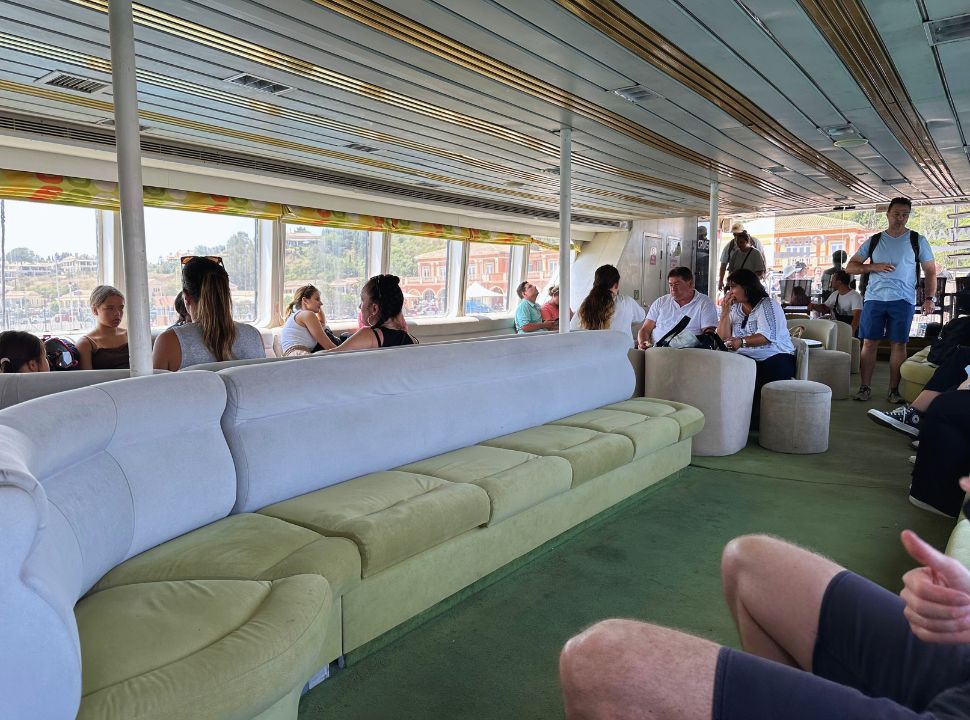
(605, 309)
(754, 325)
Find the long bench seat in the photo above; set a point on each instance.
(199, 544)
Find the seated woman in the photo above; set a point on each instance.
(105, 347)
(381, 303)
(304, 330)
(605, 309)
(22, 352)
(754, 325)
(212, 335)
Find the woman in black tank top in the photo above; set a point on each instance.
(381, 305)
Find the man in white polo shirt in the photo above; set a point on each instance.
(683, 301)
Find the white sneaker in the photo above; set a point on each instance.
(912, 459)
(914, 444)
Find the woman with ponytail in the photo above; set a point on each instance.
(381, 304)
(22, 352)
(304, 331)
(213, 335)
(605, 309)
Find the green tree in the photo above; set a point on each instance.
(22, 254)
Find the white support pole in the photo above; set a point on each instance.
(130, 182)
(565, 223)
(714, 235)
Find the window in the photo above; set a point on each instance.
(170, 234)
(50, 267)
(472, 269)
(489, 292)
(422, 265)
(333, 260)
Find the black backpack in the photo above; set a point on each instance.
(874, 241)
(954, 333)
(61, 353)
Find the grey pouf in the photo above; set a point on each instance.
(832, 368)
(795, 416)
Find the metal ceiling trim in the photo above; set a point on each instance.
(193, 32)
(151, 116)
(847, 27)
(404, 29)
(60, 54)
(629, 31)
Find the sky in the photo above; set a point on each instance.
(47, 228)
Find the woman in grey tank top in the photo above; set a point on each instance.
(212, 336)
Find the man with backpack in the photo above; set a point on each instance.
(889, 279)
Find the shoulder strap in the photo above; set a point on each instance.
(914, 241)
(873, 242)
(380, 339)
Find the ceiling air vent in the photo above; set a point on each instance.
(948, 29)
(259, 84)
(110, 122)
(76, 83)
(635, 94)
(362, 148)
(775, 169)
(844, 136)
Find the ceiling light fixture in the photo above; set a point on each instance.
(259, 84)
(844, 136)
(635, 94)
(775, 169)
(948, 29)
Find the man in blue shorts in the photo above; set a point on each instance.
(819, 643)
(890, 298)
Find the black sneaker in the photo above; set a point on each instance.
(903, 419)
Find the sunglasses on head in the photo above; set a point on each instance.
(212, 258)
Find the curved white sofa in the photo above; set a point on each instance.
(137, 582)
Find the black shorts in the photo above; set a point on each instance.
(867, 664)
(952, 371)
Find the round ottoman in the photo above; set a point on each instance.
(832, 368)
(795, 416)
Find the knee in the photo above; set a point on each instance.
(741, 554)
(590, 648)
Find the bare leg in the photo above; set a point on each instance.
(628, 670)
(867, 360)
(774, 591)
(897, 356)
(923, 400)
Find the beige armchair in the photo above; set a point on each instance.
(719, 384)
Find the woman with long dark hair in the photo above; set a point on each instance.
(605, 308)
(212, 335)
(381, 305)
(754, 325)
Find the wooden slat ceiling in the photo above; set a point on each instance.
(466, 95)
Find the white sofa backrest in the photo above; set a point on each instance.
(16, 388)
(89, 478)
(295, 427)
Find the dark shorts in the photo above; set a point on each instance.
(886, 319)
(867, 664)
(952, 371)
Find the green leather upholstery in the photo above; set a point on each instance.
(389, 515)
(648, 434)
(214, 649)
(690, 419)
(247, 546)
(514, 481)
(589, 452)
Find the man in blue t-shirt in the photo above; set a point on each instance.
(528, 315)
(890, 299)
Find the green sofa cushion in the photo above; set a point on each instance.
(589, 452)
(214, 649)
(247, 546)
(648, 434)
(514, 481)
(690, 419)
(390, 515)
(959, 544)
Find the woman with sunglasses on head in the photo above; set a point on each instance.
(381, 305)
(304, 331)
(212, 335)
(754, 325)
(22, 352)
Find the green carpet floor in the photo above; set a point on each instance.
(494, 654)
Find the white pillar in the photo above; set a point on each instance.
(565, 223)
(130, 182)
(714, 235)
